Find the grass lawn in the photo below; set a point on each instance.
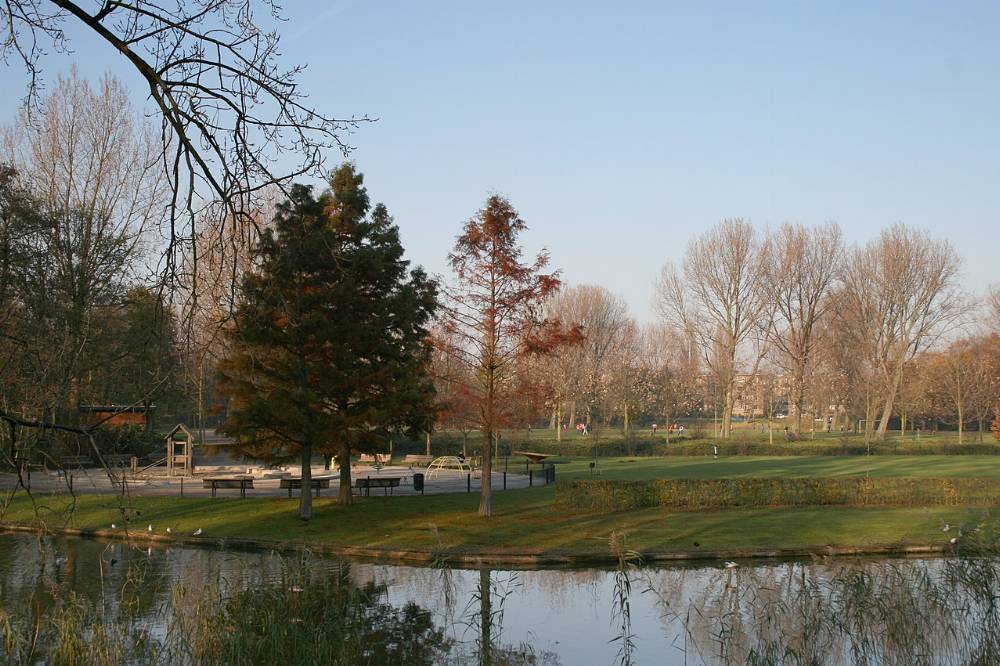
(526, 522)
(705, 467)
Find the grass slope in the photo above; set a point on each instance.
(526, 522)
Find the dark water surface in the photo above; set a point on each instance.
(871, 611)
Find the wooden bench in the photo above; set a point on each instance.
(242, 482)
(385, 482)
(422, 461)
(118, 460)
(315, 484)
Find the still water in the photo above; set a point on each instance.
(940, 611)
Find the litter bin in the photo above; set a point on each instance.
(418, 483)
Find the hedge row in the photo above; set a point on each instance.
(578, 446)
(600, 495)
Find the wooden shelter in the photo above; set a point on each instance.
(180, 451)
(118, 416)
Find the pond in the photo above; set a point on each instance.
(108, 602)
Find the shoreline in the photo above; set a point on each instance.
(485, 559)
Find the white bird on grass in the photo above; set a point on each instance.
(113, 526)
(149, 529)
(169, 530)
(731, 565)
(954, 540)
(946, 527)
(197, 532)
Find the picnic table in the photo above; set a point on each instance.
(315, 483)
(241, 481)
(387, 483)
(534, 457)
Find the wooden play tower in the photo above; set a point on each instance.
(180, 451)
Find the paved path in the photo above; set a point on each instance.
(95, 481)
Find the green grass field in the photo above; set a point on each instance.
(705, 467)
(527, 522)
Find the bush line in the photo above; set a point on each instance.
(601, 495)
(703, 447)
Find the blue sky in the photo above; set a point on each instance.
(619, 130)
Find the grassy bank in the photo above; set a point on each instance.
(705, 467)
(526, 522)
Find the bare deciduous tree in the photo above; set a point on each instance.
(902, 290)
(211, 67)
(719, 297)
(804, 264)
(602, 317)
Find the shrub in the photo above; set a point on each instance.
(600, 495)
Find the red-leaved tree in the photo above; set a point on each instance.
(493, 316)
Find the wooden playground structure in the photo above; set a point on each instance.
(180, 451)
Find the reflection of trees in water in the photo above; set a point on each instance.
(887, 612)
(868, 612)
(305, 616)
(484, 617)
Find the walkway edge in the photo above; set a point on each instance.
(479, 560)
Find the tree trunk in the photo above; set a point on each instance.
(465, 444)
(559, 421)
(883, 425)
(890, 401)
(485, 619)
(305, 499)
(346, 496)
(485, 495)
(798, 400)
(961, 423)
(428, 443)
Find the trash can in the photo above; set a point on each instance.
(418, 483)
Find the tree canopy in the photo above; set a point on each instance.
(331, 346)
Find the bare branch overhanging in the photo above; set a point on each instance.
(230, 113)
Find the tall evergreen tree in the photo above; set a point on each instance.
(331, 342)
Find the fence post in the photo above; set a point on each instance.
(182, 486)
(531, 473)
(505, 480)
(71, 483)
(468, 483)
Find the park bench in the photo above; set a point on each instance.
(376, 459)
(385, 482)
(118, 460)
(421, 461)
(315, 484)
(242, 482)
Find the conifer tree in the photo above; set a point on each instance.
(330, 335)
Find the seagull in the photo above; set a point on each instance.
(731, 565)
(149, 552)
(954, 540)
(169, 530)
(295, 588)
(149, 529)
(946, 527)
(113, 526)
(197, 532)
